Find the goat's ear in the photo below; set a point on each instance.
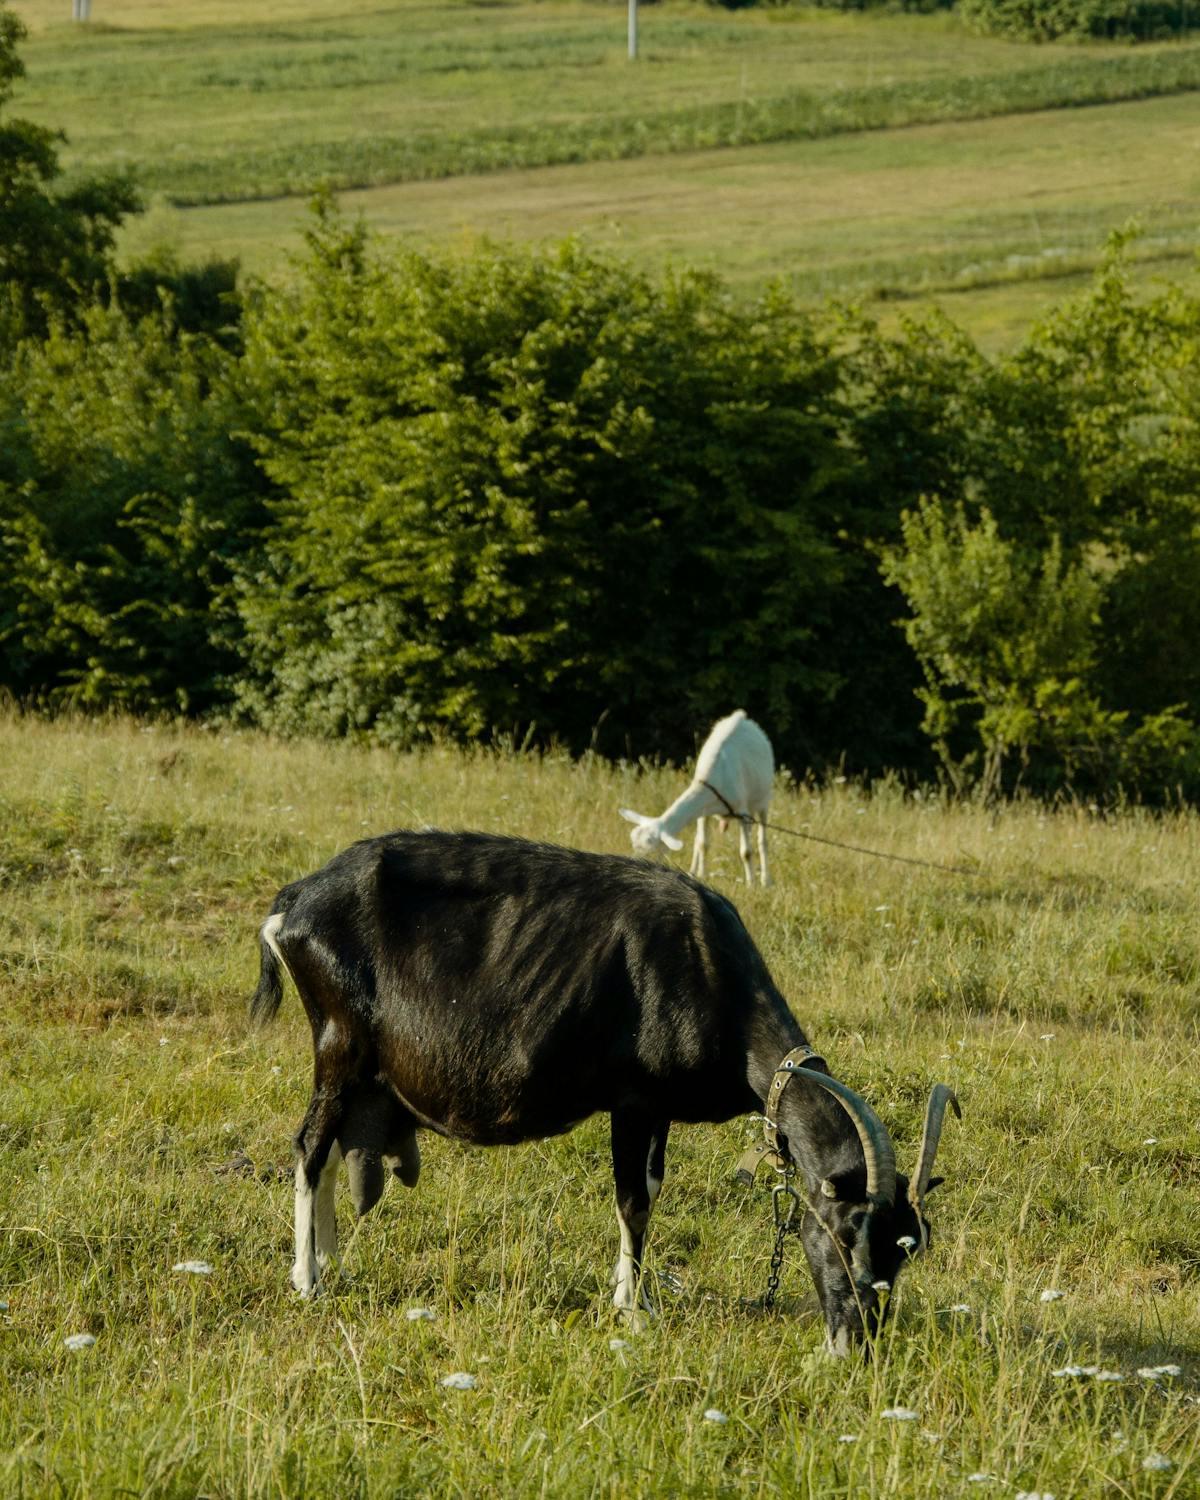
(670, 840)
(846, 1187)
(631, 817)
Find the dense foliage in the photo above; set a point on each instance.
(540, 494)
(55, 247)
(543, 495)
(1045, 20)
(538, 488)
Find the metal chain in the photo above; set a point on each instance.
(784, 1203)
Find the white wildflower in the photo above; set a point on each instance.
(3, 1307)
(881, 1286)
(883, 908)
(899, 1414)
(1151, 1140)
(193, 1267)
(459, 1381)
(176, 860)
(1051, 1294)
(848, 1437)
(616, 1345)
(980, 1477)
(906, 1242)
(1047, 1036)
(79, 1340)
(277, 1070)
(1109, 1375)
(963, 1307)
(1153, 1372)
(1157, 1463)
(420, 1315)
(713, 1415)
(1035, 1495)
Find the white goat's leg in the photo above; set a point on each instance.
(762, 849)
(698, 850)
(304, 1269)
(325, 1227)
(744, 850)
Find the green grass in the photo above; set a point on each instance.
(142, 1124)
(868, 156)
(908, 216)
(218, 112)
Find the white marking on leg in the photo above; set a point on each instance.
(625, 1277)
(304, 1270)
(325, 1228)
(630, 1297)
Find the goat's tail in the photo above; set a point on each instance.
(268, 995)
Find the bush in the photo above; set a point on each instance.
(537, 488)
(123, 498)
(55, 248)
(1047, 20)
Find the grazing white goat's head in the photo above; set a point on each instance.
(648, 836)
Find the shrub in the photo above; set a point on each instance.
(122, 499)
(537, 488)
(1047, 20)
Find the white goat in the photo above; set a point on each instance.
(735, 772)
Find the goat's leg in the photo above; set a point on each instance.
(639, 1149)
(744, 850)
(762, 847)
(315, 1141)
(698, 850)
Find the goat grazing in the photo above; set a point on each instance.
(735, 772)
(496, 991)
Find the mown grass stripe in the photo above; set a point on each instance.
(402, 156)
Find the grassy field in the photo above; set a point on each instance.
(143, 1125)
(885, 156)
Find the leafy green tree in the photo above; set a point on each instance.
(536, 488)
(1005, 638)
(55, 247)
(1046, 20)
(123, 498)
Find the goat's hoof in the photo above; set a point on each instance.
(636, 1319)
(305, 1281)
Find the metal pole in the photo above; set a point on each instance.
(632, 29)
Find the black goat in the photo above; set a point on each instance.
(496, 991)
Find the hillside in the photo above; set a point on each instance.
(839, 169)
(144, 1126)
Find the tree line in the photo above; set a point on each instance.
(1047, 20)
(538, 493)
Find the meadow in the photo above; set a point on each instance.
(144, 1125)
(882, 156)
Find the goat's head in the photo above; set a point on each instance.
(648, 835)
(862, 1226)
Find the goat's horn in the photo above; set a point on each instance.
(876, 1143)
(932, 1134)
